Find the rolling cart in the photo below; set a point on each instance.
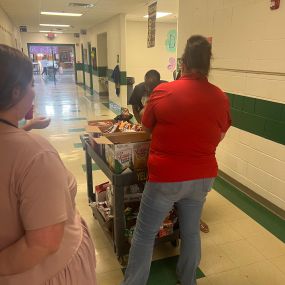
(116, 235)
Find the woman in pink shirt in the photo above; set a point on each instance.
(43, 239)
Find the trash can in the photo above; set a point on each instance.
(130, 86)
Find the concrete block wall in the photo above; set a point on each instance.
(140, 59)
(115, 29)
(9, 34)
(248, 63)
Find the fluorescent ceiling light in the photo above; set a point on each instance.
(160, 14)
(61, 14)
(54, 25)
(54, 32)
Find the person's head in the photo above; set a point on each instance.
(16, 82)
(197, 55)
(151, 79)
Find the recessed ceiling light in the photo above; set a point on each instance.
(160, 14)
(62, 14)
(54, 32)
(81, 5)
(54, 25)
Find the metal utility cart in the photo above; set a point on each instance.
(116, 235)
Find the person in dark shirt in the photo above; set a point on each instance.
(143, 90)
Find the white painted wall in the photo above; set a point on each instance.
(102, 49)
(116, 37)
(246, 35)
(9, 34)
(140, 59)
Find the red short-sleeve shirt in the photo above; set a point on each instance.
(187, 118)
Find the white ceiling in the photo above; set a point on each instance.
(170, 6)
(27, 12)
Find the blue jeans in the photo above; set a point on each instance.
(157, 201)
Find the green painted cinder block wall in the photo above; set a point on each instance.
(260, 117)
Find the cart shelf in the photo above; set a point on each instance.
(115, 228)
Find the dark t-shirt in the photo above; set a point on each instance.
(140, 95)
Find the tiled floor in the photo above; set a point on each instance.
(237, 251)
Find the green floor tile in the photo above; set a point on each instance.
(94, 167)
(256, 211)
(76, 130)
(75, 119)
(163, 271)
(77, 145)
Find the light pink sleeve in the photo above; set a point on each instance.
(43, 192)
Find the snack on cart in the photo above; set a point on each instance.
(125, 115)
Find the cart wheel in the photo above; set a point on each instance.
(122, 260)
(175, 242)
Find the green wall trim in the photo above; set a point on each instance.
(101, 71)
(256, 211)
(78, 66)
(257, 116)
(86, 68)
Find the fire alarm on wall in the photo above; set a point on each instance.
(274, 4)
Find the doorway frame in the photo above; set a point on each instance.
(52, 44)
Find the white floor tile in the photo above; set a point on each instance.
(263, 273)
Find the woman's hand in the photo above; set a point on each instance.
(37, 123)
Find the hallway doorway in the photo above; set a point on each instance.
(53, 62)
(102, 51)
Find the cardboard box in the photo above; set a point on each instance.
(99, 126)
(96, 129)
(124, 151)
(140, 154)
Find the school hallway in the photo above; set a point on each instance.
(244, 245)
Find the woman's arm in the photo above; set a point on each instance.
(31, 249)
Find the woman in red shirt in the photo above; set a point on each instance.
(187, 118)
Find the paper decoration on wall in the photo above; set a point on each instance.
(151, 25)
(172, 64)
(170, 42)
